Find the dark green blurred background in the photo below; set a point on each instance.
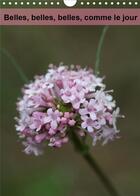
(62, 172)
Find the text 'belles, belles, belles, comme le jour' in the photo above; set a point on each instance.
(69, 17)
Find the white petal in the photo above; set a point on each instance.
(49, 111)
(93, 116)
(90, 129)
(83, 125)
(83, 111)
(54, 124)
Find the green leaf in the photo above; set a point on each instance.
(99, 48)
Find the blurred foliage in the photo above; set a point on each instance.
(63, 171)
(54, 183)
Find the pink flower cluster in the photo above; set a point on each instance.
(64, 98)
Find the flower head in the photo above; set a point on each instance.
(64, 98)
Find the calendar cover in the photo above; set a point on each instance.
(70, 78)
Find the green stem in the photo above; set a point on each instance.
(14, 63)
(83, 150)
(99, 48)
